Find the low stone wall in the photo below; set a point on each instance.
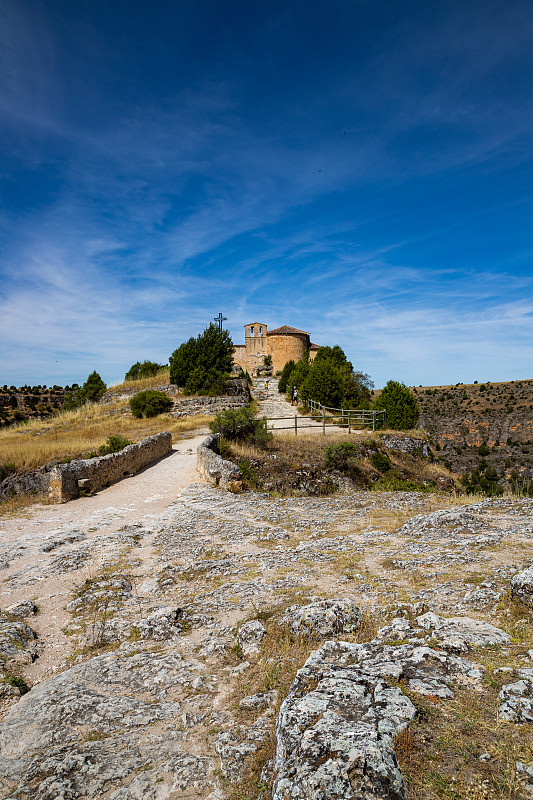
(214, 468)
(89, 475)
(194, 406)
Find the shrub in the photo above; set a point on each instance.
(241, 424)
(201, 365)
(114, 444)
(380, 461)
(340, 455)
(483, 449)
(150, 403)
(400, 405)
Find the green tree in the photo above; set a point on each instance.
(284, 377)
(323, 384)
(400, 405)
(201, 365)
(298, 375)
(335, 354)
(93, 388)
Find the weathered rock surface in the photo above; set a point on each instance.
(522, 586)
(322, 618)
(174, 708)
(99, 726)
(336, 728)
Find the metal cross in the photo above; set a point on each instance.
(220, 319)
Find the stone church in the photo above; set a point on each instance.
(282, 344)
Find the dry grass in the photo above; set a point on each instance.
(74, 434)
(14, 506)
(439, 754)
(163, 378)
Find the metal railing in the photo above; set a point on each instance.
(350, 416)
(324, 416)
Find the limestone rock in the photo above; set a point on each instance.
(336, 728)
(250, 636)
(26, 608)
(17, 642)
(322, 618)
(457, 633)
(92, 730)
(516, 699)
(522, 586)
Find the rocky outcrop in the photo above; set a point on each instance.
(336, 728)
(237, 395)
(111, 724)
(92, 474)
(214, 468)
(36, 482)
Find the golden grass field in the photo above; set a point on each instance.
(74, 434)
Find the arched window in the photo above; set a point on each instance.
(260, 330)
(252, 330)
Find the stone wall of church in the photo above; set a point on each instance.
(283, 348)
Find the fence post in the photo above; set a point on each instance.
(295, 425)
(349, 421)
(324, 421)
(373, 420)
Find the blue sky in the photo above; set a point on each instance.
(357, 169)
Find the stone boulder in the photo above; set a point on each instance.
(322, 618)
(522, 586)
(250, 636)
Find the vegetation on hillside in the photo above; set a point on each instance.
(80, 432)
(318, 465)
(145, 369)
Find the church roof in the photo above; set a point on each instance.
(286, 330)
(313, 346)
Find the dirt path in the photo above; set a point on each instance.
(41, 529)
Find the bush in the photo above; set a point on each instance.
(146, 369)
(150, 403)
(114, 444)
(241, 424)
(340, 455)
(400, 405)
(380, 461)
(202, 365)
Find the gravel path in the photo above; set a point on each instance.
(273, 404)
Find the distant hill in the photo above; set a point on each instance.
(32, 402)
(480, 425)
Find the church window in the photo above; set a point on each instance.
(251, 330)
(260, 330)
